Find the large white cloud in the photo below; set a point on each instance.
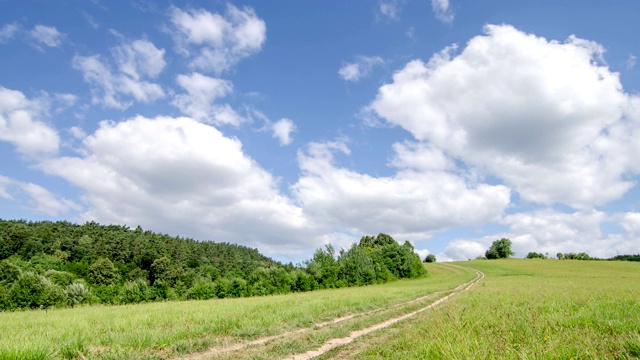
(20, 125)
(216, 42)
(544, 116)
(413, 203)
(180, 176)
(137, 62)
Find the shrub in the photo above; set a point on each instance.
(430, 258)
(60, 278)
(135, 291)
(78, 293)
(35, 291)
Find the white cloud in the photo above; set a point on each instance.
(631, 62)
(139, 58)
(41, 200)
(135, 61)
(541, 115)
(47, 203)
(411, 204)
(631, 222)
(442, 11)
(8, 32)
(359, 69)
(221, 41)
(200, 100)
(282, 130)
(389, 9)
(552, 231)
(20, 125)
(4, 187)
(180, 176)
(47, 36)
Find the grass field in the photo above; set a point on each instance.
(170, 329)
(523, 309)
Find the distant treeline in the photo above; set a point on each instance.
(581, 256)
(56, 264)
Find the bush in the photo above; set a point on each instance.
(107, 294)
(202, 289)
(60, 278)
(135, 291)
(8, 272)
(78, 293)
(430, 258)
(35, 291)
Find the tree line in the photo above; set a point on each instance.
(58, 264)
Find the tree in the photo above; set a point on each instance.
(500, 249)
(103, 272)
(430, 258)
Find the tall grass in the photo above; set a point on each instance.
(163, 330)
(524, 309)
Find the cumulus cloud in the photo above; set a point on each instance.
(442, 11)
(551, 231)
(20, 125)
(361, 68)
(8, 32)
(180, 176)
(199, 102)
(136, 62)
(47, 36)
(544, 116)
(217, 42)
(413, 203)
(282, 130)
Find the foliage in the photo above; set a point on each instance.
(44, 264)
(430, 258)
(626, 257)
(577, 256)
(535, 255)
(500, 249)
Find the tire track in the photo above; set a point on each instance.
(331, 344)
(334, 343)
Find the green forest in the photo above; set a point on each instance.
(60, 264)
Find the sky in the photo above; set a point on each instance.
(285, 126)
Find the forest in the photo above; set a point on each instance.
(60, 264)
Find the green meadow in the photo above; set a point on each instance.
(523, 309)
(169, 329)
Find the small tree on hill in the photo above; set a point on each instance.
(500, 249)
(430, 258)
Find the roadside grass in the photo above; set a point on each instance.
(523, 309)
(169, 329)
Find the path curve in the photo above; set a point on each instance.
(333, 343)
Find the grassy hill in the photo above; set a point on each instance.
(522, 309)
(525, 309)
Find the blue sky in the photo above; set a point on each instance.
(289, 125)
